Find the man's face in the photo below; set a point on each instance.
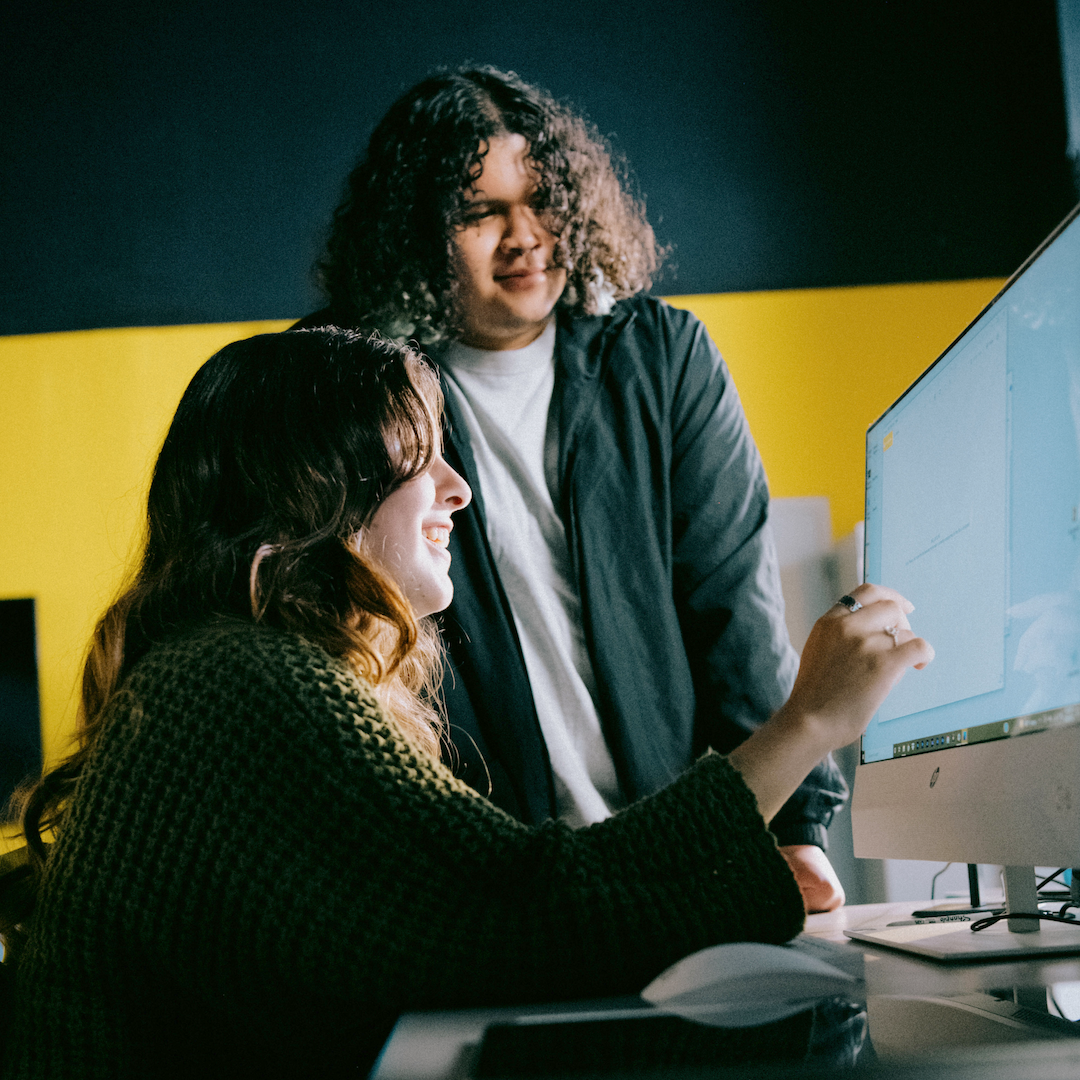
(507, 285)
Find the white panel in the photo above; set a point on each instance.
(803, 531)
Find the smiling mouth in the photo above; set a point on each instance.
(531, 271)
(437, 534)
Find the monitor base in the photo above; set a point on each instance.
(954, 942)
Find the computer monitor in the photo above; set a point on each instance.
(20, 718)
(973, 513)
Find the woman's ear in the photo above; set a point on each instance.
(258, 606)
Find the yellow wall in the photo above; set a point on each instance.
(82, 415)
(815, 367)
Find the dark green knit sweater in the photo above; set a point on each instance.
(259, 873)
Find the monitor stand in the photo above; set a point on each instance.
(1010, 939)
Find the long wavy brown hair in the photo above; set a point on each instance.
(388, 262)
(281, 450)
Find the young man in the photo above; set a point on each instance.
(617, 606)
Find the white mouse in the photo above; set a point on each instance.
(745, 984)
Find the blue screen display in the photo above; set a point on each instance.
(973, 513)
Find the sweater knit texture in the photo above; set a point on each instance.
(259, 872)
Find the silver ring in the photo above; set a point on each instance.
(892, 631)
(849, 602)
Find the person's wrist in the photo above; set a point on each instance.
(805, 727)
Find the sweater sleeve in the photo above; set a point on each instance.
(255, 835)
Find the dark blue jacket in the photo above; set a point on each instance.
(664, 500)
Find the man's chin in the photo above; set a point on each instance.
(513, 330)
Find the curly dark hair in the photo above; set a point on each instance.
(388, 261)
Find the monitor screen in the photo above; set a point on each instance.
(20, 719)
(973, 513)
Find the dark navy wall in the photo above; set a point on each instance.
(177, 161)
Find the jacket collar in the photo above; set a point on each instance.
(581, 343)
(583, 348)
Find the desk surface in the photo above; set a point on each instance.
(890, 972)
(439, 1045)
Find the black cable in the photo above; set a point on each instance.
(982, 924)
(933, 880)
(973, 884)
(1046, 881)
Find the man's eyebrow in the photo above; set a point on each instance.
(484, 206)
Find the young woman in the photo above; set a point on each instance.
(259, 860)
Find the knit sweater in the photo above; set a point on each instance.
(259, 872)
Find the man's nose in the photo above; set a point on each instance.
(522, 230)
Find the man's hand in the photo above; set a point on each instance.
(820, 887)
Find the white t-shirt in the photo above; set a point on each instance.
(505, 398)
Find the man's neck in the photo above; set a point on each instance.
(479, 339)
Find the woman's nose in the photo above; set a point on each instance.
(450, 487)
